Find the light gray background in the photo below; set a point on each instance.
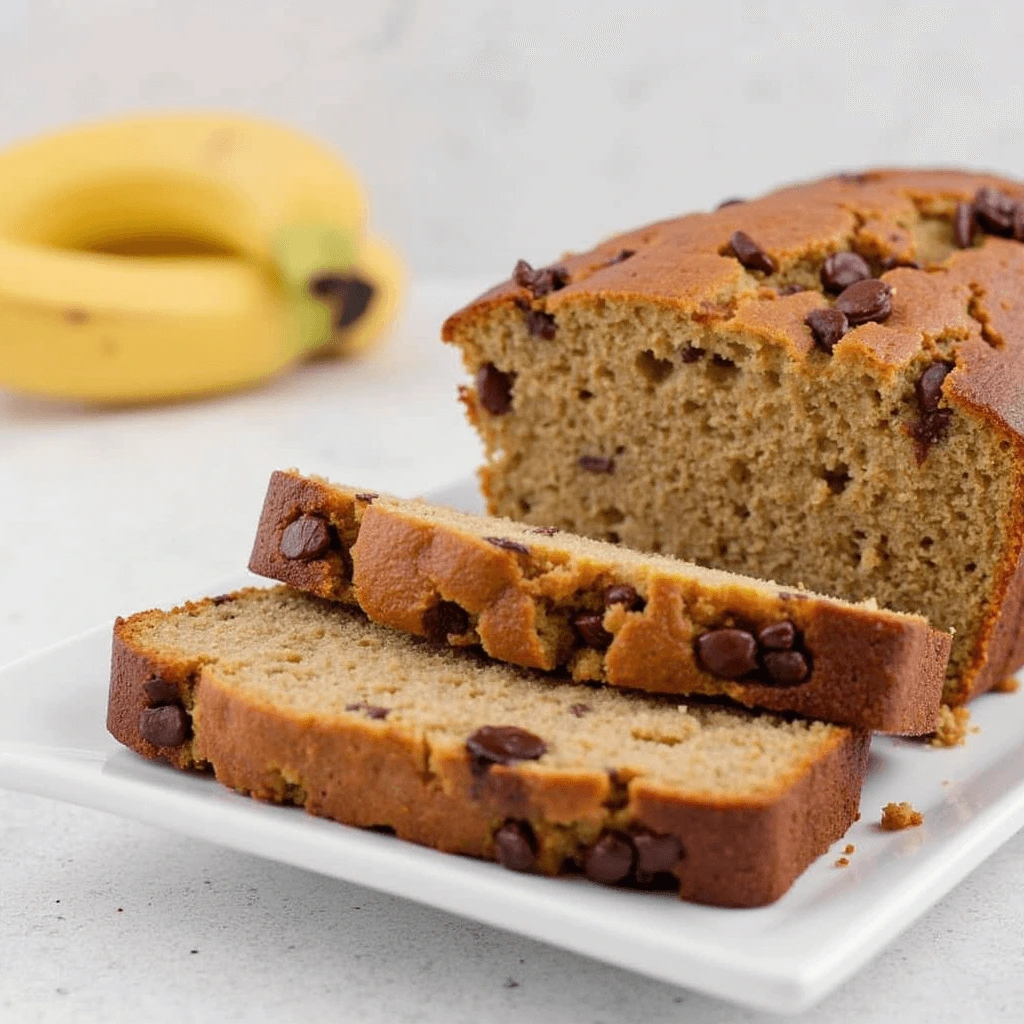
(486, 131)
(491, 130)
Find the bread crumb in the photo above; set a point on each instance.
(902, 815)
(1008, 685)
(953, 727)
(850, 848)
(843, 862)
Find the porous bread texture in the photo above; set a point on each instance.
(286, 693)
(735, 442)
(520, 592)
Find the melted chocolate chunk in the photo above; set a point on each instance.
(444, 618)
(508, 545)
(610, 859)
(655, 853)
(166, 726)
(963, 226)
(542, 281)
(305, 538)
(750, 254)
(494, 389)
(729, 202)
(541, 324)
(596, 463)
(792, 289)
(866, 301)
(370, 710)
(621, 256)
(504, 744)
(929, 386)
(516, 845)
(828, 326)
(589, 627)
(579, 710)
(621, 593)
(369, 497)
(159, 692)
(930, 429)
(691, 354)
(547, 531)
(779, 636)
(842, 269)
(786, 668)
(727, 653)
(994, 211)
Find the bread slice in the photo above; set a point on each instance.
(293, 699)
(546, 599)
(688, 388)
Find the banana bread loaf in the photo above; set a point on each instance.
(825, 385)
(537, 597)
(298, 700)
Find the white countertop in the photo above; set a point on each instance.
(107, 512)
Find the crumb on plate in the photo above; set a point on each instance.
(902, 815)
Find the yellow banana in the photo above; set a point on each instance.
(166, 256)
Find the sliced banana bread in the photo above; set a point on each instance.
(537, 597)
(298, 700)
(824, 385)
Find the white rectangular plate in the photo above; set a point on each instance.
(785, 957)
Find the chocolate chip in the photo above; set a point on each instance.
(369, 497)
(750, 254)
(444, 618)
(305, 538)
(828, 326)
(842, 269)
(691, 354)
(610, 859)
(727, 653)
(787, 668)
(656, 853)
(729, 202)
(792, 289)
(994, 210)
(504, 744)
(590, 629)
(495, 389)
(541, 324)
(516, 846)
(547, 531)
(779, 636)
(866, 300)
(963, 225)
(542, 281)
(371, 710)
(621, 593)
(621, 256)
(930, 429)
(579, 710)
(166, 726)
(929, 386)
(508, 545)
(159, 692)
(854, 177)
(596, 463)
(222, 599)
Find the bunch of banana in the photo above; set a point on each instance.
(170, 256)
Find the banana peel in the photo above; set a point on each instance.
(171, 256)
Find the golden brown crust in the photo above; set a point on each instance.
(736, 853)
(871, 669)
(965, 305)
